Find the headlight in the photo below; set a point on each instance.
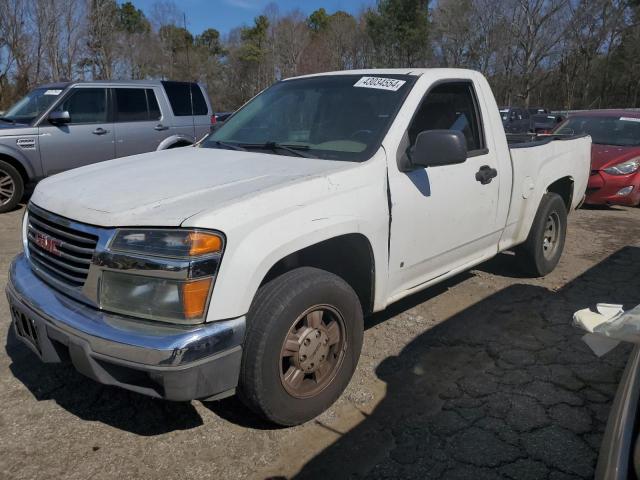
(624, 168)
(155, 298)
(174, 243)
(160, 274)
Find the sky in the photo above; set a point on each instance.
(225, 15)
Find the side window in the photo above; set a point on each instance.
(86, 105)
(154, 108)
(199, 104)
(131, 105)
(450, 106)
(179, 94)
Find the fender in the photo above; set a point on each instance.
(262, 229)
(173, 139)
(241, 266)
(21, 159)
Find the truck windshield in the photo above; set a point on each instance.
(334, 117)
(604, 130)
(32, 105)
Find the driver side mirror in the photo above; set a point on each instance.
(59, 118)
(434, 148)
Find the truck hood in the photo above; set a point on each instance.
(165, 188)
(603, 156)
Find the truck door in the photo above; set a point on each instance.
(443, 218)
(87, 138)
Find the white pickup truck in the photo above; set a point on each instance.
(247, 263)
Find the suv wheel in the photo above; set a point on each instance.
(303, 342)
(11, 187)
(542, 250)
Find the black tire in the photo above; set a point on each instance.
(274, 312)
(11, 187)
(538, 256)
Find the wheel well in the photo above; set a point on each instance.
(564, 188)
(348, 256)
(17, 165)
(180, 143)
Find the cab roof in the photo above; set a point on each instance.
(391, 71)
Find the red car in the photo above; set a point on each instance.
(615, 154)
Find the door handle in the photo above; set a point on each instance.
(160, 127)
(100, 131)
(486, 174)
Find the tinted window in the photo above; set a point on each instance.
(86, 105)
(199, 104)
(154, 108)
(131, 105)
(450, 106)
(179, 94)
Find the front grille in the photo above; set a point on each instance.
(62, 252)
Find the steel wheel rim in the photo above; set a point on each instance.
(551, 235)
(313, 351)
(7, 188)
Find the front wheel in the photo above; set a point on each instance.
(542, 250)
(11, 187)
(304, 337)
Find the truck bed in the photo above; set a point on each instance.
(540, 161)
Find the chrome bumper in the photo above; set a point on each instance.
(173, 362)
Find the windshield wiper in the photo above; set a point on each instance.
(7, 119)
(229, 145)
(295, 149)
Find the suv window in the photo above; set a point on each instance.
(450, 106)
(136, 105)
(199, 104)
(154, 108)
(181, 95)
(86, 105)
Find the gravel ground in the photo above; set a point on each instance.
(482, 377)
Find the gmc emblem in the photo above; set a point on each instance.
(48, 244)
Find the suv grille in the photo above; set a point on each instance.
(61, 252)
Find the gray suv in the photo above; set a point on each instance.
(67, 125)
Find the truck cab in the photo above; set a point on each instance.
(247, 265)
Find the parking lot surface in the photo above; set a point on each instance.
(483, 377)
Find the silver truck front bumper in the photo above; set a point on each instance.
(165, 361)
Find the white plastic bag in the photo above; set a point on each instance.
(608, 326)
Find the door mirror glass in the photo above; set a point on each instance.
(434, 148)
(59, 117)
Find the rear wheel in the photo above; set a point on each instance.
(542, 250)
(11, 187)
(303, 342)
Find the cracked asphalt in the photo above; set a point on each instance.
(482, 377)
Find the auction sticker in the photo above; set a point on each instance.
(53, 92)
(630, 119)
(380, 83)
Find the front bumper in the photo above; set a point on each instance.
(164, 361)
(602, 189)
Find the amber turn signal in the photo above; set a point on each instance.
(194, 297)
(203, 243)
